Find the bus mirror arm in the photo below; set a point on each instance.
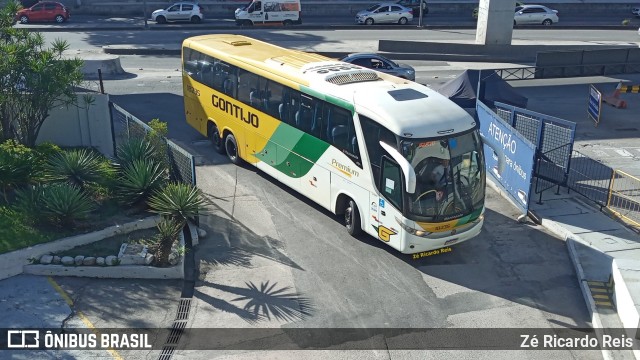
(498, 151)
(407, 169)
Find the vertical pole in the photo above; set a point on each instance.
(613, 177)
(100, 79)
(420, 14)
(144, 13)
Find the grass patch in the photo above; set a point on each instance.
(111, 245)
(16, 232)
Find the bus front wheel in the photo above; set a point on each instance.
(231, 145)
(352, 219)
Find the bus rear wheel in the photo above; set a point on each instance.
(231, 146)
(216, 139)
(352, 219)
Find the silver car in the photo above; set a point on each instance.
(385, 13)
(535, 14)
(382, 64)
(183, 11)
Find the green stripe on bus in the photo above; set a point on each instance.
(331, 99)
(471, 217)
(302, 151)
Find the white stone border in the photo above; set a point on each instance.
(112, 272)
(13, 263)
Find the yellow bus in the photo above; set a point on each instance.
(394, 158)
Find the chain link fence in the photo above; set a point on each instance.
(126, 126)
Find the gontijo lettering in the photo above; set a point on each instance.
(235, 110)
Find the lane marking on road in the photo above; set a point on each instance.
(623, 152)
(82, 317)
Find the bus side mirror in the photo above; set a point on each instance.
(498, 151)
(407, 169)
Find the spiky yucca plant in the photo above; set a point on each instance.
(135, 149)
(76, 167)
(178, 201)
(65, 204)
(168, 231)
(139, 179)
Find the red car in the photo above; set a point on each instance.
(44, 11)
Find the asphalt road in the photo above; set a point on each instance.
(339, 40)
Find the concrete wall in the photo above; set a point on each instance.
(81, 125)
(225, 9)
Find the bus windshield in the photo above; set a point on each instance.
(450, 176)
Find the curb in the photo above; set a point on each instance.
(178, 27)
(569, 239)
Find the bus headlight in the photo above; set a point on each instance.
(411, 230)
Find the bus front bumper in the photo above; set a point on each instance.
(415, 244)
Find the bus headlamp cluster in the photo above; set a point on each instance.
(411, 230)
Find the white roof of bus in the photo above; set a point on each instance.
(401, 115)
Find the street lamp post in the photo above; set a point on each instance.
(420, 14)
(144, 13)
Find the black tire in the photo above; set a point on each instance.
(59, 19)
(216, 139)
(195, 19)
(403, 21)
(231, 147)
(352, 219)
(24, 19)
(547, 22)
(287, 23)
(514, 23)
(161, 20)
(369, 21)
(247, 23)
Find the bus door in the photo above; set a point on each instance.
(388, 205)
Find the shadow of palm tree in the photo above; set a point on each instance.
(266, 301)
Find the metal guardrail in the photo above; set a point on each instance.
(562, 71)
(624, 197)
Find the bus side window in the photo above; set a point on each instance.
(304, 117)
(342, 132)
(274, 98)
(230, 83)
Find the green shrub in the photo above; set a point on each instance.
(76, 167)
(139, 179)
(178, 201)
(135, 149)
(161, 128)
(64, 204)
(29, 201)
(17, 166)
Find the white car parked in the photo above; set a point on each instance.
(385, 13)
(535, 14)
(182, 11)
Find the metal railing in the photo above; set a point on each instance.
(589, 178)
(624, 197)
(126, 126)
(562, 71)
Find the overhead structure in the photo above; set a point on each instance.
(495, 22)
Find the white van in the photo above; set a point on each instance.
(285, 12)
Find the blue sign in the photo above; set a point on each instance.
(595, 104)
(509, 156)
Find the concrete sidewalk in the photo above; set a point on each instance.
(605, 255)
